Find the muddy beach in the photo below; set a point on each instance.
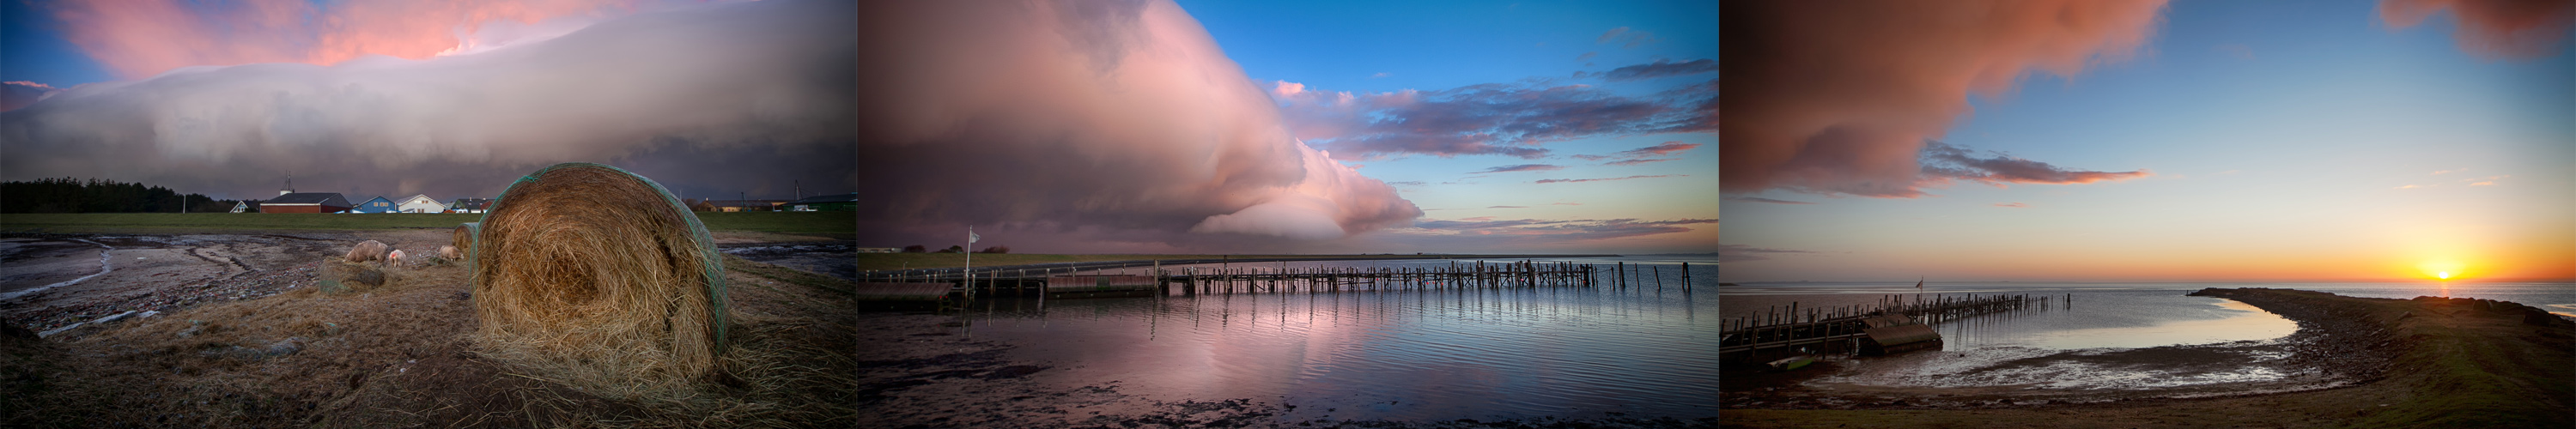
(230, 330)
(2353, 361)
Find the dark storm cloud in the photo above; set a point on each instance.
(1660, 68)
(1084, 127)
(1485, 119)
(1942, 162)
(1765, 200)
(1521, 167)
(1743, 253)
(723, 99)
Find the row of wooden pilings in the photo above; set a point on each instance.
(1792, 324)
(1286, 279)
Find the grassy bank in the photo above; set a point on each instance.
(828, 223)
(2451, 363)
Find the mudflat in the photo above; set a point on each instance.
(231, 330)
(2424, 362)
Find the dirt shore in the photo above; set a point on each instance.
(239, 336)
(2426, 362)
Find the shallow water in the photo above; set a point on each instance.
(1411, 355)
(2104, 337)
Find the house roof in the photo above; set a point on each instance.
(835, 198)
(409, 199)
(307, 198)
(470, 203)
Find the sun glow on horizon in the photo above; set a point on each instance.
(2444, 270)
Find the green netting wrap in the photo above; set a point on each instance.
(598, 274)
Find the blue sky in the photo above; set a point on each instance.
(1367, 47)
(2283, 137)
(32, 49)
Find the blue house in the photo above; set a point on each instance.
(377, 205)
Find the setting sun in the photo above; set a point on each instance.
(2442, 269)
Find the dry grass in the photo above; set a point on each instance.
(592, 277)
(403, 355)
(341, 277)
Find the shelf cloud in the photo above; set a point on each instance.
(1839, 97)
(1085, 121)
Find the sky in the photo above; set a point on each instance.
(1049, 126)
(1095, 127)
(452, 99)
(2150, 141)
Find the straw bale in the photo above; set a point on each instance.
(368, 251)
(463, 238)
(598, 278)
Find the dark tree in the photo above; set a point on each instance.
(995, 249)
(916, 249)
(69, 195)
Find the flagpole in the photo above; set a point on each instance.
(970, 262)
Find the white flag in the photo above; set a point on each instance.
(970, 237)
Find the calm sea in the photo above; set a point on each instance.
(1411, 355)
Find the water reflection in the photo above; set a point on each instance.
(1422, 354)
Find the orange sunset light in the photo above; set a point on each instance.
(2443, 269)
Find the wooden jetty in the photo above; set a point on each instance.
(1151, 278)
(1873, 329)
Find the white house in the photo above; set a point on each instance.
(419, 204)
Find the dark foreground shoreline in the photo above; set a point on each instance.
(2423, 362)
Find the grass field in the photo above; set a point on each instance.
(827, 223)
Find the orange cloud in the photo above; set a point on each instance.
(142, 38)
(2493, 28)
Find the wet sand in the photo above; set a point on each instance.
(2427, 362)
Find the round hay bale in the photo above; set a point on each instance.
(464, 236)
(368, 251)
(449, 253)
(601, 279)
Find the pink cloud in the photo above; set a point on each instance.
(1088, 120)
(2493, 28)
(2012, 205)
(1839, 97)
(142, 38)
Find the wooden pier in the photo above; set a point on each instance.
(1148, 278)
(1784, 330)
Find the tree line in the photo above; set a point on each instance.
(70, 195)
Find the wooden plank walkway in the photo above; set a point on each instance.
(1154, 279)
